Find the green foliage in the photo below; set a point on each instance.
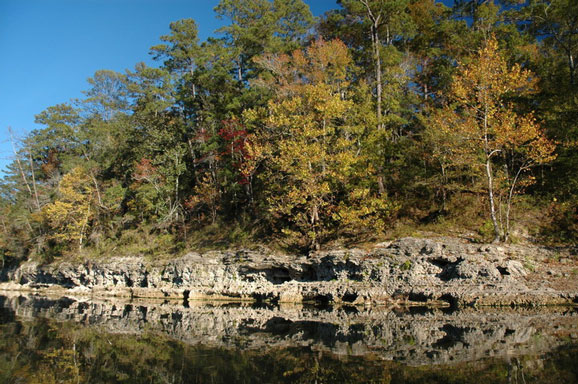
(263, 26)
(182, 49)
(366, 126)
(486, 230)
(562, 226)
(406, 266)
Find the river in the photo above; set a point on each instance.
(79, 340)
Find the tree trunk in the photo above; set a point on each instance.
(509, 203)
(572, 67)
(375, 42)
(490, 177)
(33, 179)
(497, 232)
(192, 72)
(84, 225)
(314, 219)
(380, 184)
(379, 89)
(239, 71)
(97, 189)
(21, 169)
(444, 182)
(4, 227)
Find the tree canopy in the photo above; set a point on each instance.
(374, 120)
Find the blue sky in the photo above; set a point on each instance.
(50, 47)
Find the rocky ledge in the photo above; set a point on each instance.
(409, 271)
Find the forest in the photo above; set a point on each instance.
(379, 119)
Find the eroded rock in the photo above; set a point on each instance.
(406, 271)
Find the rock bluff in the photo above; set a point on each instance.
(409, 271)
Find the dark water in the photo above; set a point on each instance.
(69, 340)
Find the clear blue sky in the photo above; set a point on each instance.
(50, 47)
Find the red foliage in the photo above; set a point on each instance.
(144, 170)
(190, 203)
(235, 137)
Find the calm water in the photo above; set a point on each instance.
(67, 340)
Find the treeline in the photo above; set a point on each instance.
(379, 115)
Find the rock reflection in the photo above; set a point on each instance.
(414, 337)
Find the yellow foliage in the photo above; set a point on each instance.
(479, 126)
(206, 197)
(480, 116)
(69, 216)
(322, 63)
(310, 145)
(366, 210)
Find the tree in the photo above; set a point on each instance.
(181, 49)
(263, 26)
(152, 90)
(310, 146)
(107, 96)
(303, 142)
(554, 26)
(377, 33)
(387, 21)
(70, 214)
(181, 55)
(61, 136)
(159, 143)
(557, 23)
(430, 18)
(489, 130)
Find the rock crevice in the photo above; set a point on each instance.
(408, 271)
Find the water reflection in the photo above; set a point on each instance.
(74, 340)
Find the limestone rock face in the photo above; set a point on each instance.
(406, 271)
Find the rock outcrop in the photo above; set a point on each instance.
(408, 271)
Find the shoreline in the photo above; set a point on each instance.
(407, 272)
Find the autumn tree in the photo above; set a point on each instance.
(488, 130)
(310, 144)
(70, 214)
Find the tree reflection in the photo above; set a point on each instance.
(43, 351)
